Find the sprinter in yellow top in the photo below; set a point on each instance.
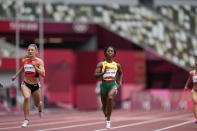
(111, 74)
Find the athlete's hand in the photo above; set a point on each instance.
(33, 63)
(1, 86)
(119, 84)
(116, 90)
(13, 78)
(186, 88)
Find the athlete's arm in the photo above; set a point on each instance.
(17, 73)
(120, 75)
(98, 72)
(40, 68)
(188, 81)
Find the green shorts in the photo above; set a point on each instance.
(106, 86)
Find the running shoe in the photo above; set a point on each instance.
(108, 124)
(25, 123)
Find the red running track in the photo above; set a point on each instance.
(94, 121)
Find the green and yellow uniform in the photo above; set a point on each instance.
(109, 78)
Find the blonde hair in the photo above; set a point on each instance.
(36, 48)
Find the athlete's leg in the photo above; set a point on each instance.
(37, 99)
(26, 93)
(194, 98)
(111, 95)
(104, 103)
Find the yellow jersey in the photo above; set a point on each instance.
(111, 70)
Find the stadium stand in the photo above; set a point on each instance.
(185, 16)
(134, 22)
(8, 50)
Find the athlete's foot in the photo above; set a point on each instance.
(25, 123)
(108, 124)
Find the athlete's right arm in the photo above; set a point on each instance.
(17, 73)
(188, 81)
(98, 72)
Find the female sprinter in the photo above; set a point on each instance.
(193, 77)
(109, 72)
(32, 68)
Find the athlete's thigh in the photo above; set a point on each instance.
(194, 97)
(112, 92)
(37, 96)
(25, 91)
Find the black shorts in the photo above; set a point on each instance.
(32, 87)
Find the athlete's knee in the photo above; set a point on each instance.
(195, 102)
(194, 98)
(26, 98)
(110, 96)
(38, 104)
(104, 107)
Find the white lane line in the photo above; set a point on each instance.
(50, 119)
(15, 121)
(80, 125)
(176, 125)
(38, 120)
(48, 123)
(143, 122)
(66, 117)
(51, 123)
(95, 123)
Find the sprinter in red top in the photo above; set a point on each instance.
(33, 67)
(193, 78)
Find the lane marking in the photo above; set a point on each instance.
(65, 127)
(143, 122)
(37, 121)
(65, 121)
(176, 125)
(95, 123)
(48, 123)
(44, 119)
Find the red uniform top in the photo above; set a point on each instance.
(29, 68)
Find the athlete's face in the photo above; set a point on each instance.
(110, 52)
(31, 51)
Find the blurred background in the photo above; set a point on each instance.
(156, 42)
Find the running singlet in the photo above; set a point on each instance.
(29, 68)
(194, 78)
(111, 70)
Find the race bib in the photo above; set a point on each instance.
(195, 79)
(29, 68)
(110, 73)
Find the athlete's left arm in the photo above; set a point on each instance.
(120, 75)
(40, 68)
